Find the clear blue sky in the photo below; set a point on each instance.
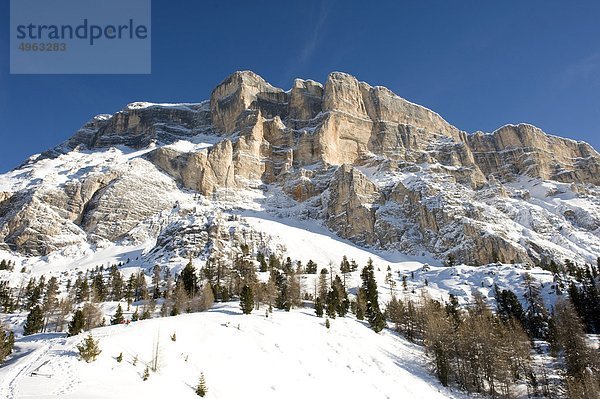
(479, 64)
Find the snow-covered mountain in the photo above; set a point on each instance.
(316, 173)
(366, 164)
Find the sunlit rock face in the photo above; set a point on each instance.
(374, 167)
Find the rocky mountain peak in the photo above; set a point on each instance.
(373, 167)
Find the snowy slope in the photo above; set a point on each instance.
(288, 355)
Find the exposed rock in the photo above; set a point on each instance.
(352, 204)
(373, 166)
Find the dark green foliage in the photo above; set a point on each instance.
(120, 357)
(116, 283)
(136, 315)
(174, 337)
(34, 322)
(89, 349)
(452, 310)
(274, 263)
(77, 323)
(536, 314)
(7, 343)
(508, 306)
(586, 301)
(99, 287)
(7, 265)
(146, 374)
(8, 303)
(82, 290)
(189, 279)
(311, 267)
(345, 268)
(337, 299)
(201, 389)
(156, 278)
(246, 299)
(369, 285)
(282, 301)
(319, 307)
(118, 316)
(145, 314)
(327, 323)
(263, 267)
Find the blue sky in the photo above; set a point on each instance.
(478, 64)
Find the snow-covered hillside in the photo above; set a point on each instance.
(287, 355)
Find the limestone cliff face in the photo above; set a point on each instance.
(525, 149)
(376, 168)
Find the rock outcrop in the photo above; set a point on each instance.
(376, 168)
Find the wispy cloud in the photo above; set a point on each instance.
(318, 22)
(584, 71)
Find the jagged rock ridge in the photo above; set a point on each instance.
(373, 166)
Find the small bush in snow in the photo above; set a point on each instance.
(88, 349)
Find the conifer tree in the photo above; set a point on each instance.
(201, 389)
(34, 322)
(508, 306)
(156, 282)
(318, 307)
(247, 300)
(89, 349)
(77, 323)
(189, 279)
(50, 301)
(345, 269)
(536, 314)
(311, 267)
(372, 312)
(7, 343)
(118, 316)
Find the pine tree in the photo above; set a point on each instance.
(345, 268)
(120, 357)
(118, 316)
(536, 314)
(156, 282)
(77, 323)
(373, 313)
(7, 343)
(146, 374)
(89, 349)
(508, 306)
(247, 300)
(50, 301)
(34, 322)
(311, 267)
(99, 287)
(189, 279)
(318, 307)
(201, 389)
